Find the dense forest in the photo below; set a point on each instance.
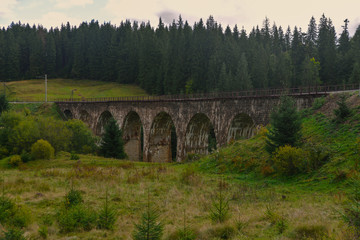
(180, 58)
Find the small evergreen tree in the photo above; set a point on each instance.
(112, 144)
(149, 228)
(219, 212)
(343, 111)
(107, 215)
(285, 125)
(4, 104)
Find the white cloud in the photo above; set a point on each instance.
(55, 19)
(72, 3)
(7, 8)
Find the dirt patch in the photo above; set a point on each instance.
(353, 101)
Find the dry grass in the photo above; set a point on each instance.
(42, 185)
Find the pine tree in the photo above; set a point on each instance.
(149, 227)
(343, 111)
(242, 77)
(107, 215)
(112, 144)
(285, 125)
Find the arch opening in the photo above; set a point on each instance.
(133, 136)
(68, 114)
(242, 127)
(200, 135)
(102, 122)
(162, 139)
(85, 117)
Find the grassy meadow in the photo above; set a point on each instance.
(258, 206)
(261, 203)
(63, 88)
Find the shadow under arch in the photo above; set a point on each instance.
(242, 126)
(162, 139)
(200, 136)
(102, 122)
(85, 117)
(133, 136)
(68, 114)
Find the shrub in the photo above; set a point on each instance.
(42, 150)
(318, 155)
(310, 232)
(4, 152)
(26, 157)
(13, 234)
(43, 231)
(75, 218)
(351, 212)
(73, 198)
(82, 139)
(12, 214)
(188, 175)
(74, 156)
(318, 103)
(343, 111)
(15, 160)
(289, 160)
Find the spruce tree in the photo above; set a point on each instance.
(112, 144)
(149, 227)
(285, 125)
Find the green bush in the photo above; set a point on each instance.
(13, 234)
(73, 198)
(15, 161)
(318, 155)
(78, 217)
(289, 160)
(26, 157)
(74, 156)
(42, 150)
(343, 111)
(82, 139)
(12, 214)
(310, 232)
(4, 152)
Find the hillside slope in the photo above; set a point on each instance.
(321, 135)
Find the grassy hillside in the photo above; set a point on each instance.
(63, 88)
(262, 204)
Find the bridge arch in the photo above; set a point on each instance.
(103, 120)
(162, 139)
(133, 136)
(85, 117)
(241, 126)
(68, 114)
(200, 137)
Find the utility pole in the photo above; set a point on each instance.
(46, 88)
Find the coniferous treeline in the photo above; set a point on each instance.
(180, 58)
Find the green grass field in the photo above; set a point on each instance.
(65, 88)
(262, 204)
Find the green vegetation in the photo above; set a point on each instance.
(237, 192)
(4, 104)
(285, 125)
(67, 88)
(172, 59)
(112, 144)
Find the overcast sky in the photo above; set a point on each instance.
(244, 13)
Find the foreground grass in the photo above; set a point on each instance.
(63, 88)
(174, 189)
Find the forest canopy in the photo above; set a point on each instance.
(180, 58)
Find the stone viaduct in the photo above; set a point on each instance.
(191, 119)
